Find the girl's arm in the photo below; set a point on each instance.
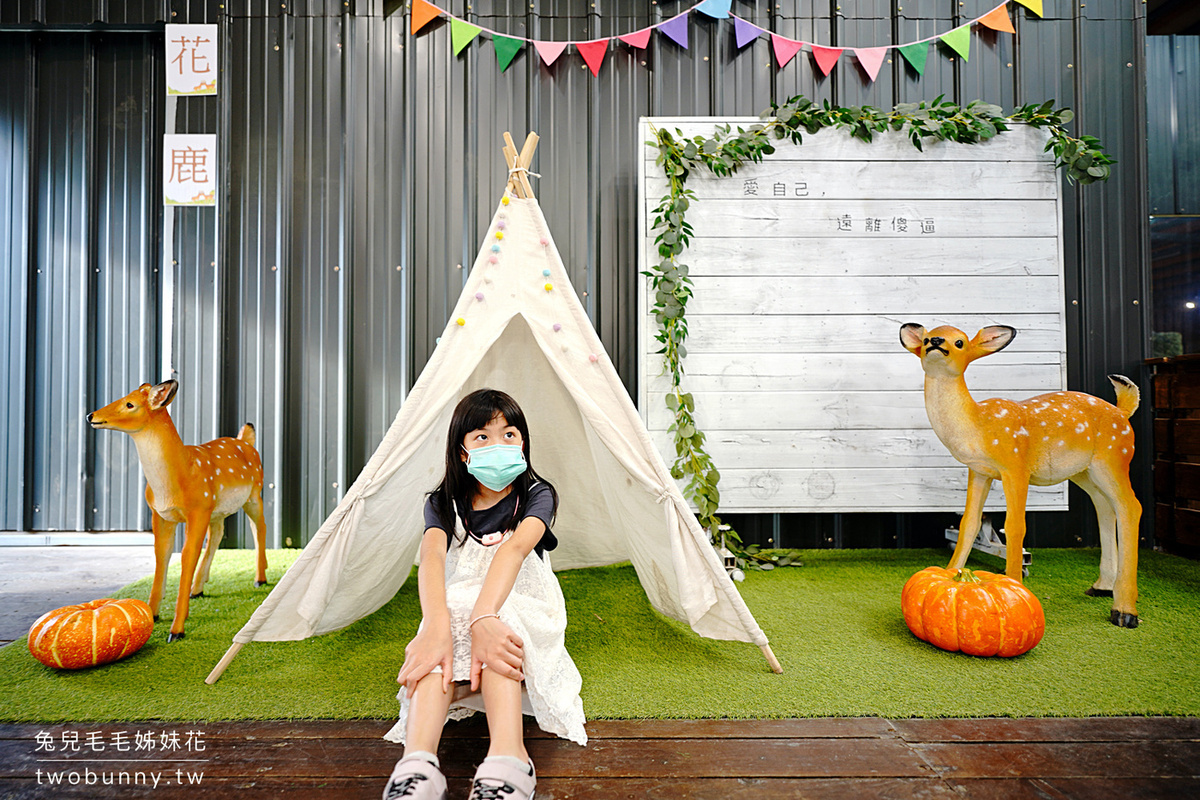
(492, 642)
(432, 646)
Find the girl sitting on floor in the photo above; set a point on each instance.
(493, 616)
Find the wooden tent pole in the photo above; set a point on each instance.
(230, 654)
(510, 155)
(771, 659)
(518, 182)
(525, 159)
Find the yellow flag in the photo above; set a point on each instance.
(1033, 5)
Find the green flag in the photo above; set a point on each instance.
(915, 55)
(461, 34)
(959, 40)
(506, 50)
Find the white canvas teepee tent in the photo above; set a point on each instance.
(520, 328)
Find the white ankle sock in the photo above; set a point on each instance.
(514, 761)
(424, 755)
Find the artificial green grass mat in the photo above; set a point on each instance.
(834, 623)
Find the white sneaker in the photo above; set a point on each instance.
(499, 781)
(415, 778)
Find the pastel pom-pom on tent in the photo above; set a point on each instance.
(618, 500)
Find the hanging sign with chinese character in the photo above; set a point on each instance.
(190, 169)
(191, 59)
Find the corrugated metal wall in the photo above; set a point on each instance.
(363, 165)
(79, 196)
(1173, 118)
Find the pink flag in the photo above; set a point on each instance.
(639, 39)
(826, 57)
(870, 58)
(785, 49)
(593, 53)
(549, 51)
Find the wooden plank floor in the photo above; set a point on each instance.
(1096, 758)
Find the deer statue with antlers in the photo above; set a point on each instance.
(1041, 441)
(197, 485)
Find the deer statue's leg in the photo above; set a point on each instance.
(254, 512)
(1115, 484)
(164, 543)
(978, 486)
(1016, 494)
(193, 541)
(1107, 517)
(216, 532)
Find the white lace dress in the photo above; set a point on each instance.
(536, 612)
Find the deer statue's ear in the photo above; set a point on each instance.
(912, 336)
(993, 339)
(161, 395)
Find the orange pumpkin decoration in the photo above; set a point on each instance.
(979, 613)
(89, 634)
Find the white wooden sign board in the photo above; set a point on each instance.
(804, 268)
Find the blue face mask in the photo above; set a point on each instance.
(497, 465)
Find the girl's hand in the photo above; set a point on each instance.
(494, 643)
(431, 647)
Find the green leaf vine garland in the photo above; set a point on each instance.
(723, 154)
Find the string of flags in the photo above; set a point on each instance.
(462, 33)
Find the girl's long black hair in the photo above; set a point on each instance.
(458, 487)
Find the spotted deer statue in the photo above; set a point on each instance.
(197, 485)
(1041, 441)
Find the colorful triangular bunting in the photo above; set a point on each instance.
(826, 57)
(717, 9)
(959, 40)
(506, 50)
(422, 13)
(997, 19)
(676, 29)
(870, 58)
(593, 53)
(745, 32)
(461, 34)
(549, 51)
(639, 39)
(785, 49)
(915, 55)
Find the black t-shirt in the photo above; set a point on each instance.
(499, 518)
